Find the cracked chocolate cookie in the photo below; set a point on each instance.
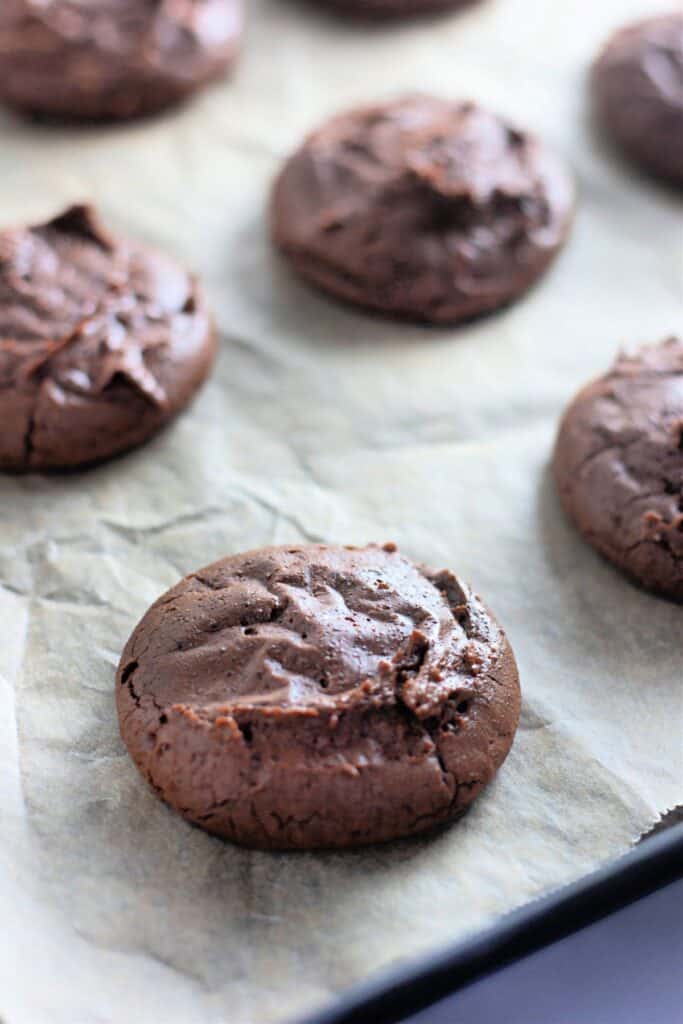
(102, 341)
(313, 696)
(619, 466)
(112, 59)
(637, 86)
(421, 208)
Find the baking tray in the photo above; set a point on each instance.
(433, 983)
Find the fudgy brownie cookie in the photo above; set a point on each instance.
(638, 93)
(112, 59)
(422, 208)
(102, 341)
(314, 696)
(619, 465)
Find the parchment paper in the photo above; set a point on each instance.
(321, 423)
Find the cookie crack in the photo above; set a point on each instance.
(614, 446)
(291, 819)
(645, 496)
(455, 597)
(209, 584)
(106, 310)
(40, 366)
(409, 660)
(407, 664)
(127, 676)
(28, 443)
(445, 774)
(662, 542)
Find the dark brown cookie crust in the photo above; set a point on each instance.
(102, 341)
(113, 59)
(619, 466)
(421, 208)
(637, 86)
(318, 696)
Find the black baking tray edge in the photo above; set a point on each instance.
(394, 995)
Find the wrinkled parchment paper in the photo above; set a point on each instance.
(321, 423)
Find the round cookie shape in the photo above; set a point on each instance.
(318, 696)
(102, 341)
(113, 59)
(420, 208)
(618, 465)
(637, 86)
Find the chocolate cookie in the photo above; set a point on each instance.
(638, 93)
(422, 208)
(317, 696)
(112, 59)
(619, 466)
(102, 341)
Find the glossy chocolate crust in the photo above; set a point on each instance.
(421, 208)
(112, 59)
(619, 466)
(374, 9)
(316, 696)
(638, 93)
(102, 341)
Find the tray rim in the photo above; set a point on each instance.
(393, 994)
